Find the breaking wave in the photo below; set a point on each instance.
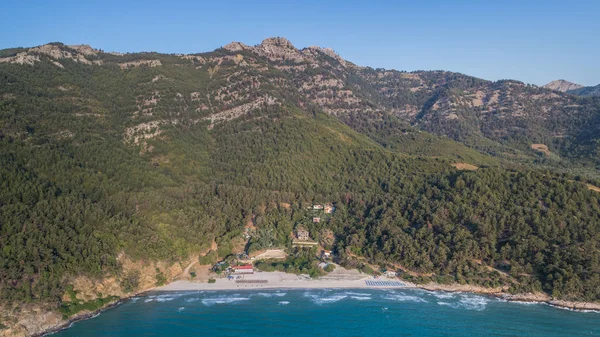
(443, 295)
(223, 299)
(403, 297)
(270, 294)
(321, 299)
(468, 302)
(163, 297)
(329, 296)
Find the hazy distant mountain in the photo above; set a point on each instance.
(573, 88)
(586, 91)
(562, 85)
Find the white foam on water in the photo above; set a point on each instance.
(134, 299)
(360, 298)
(193, 299)
(180, 309)
(164, 297)
(403, 297)
(525, 302)
(350, 293)
(575, 310)
(330, 299)
(468, 302)
(442, 295)
(284, 303)
(472, 302)
(223, 300)
(270, 294)
(325, 298)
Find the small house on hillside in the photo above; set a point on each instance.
(329, 208)
(302, 235)
(317, 206)
(316, 219)
(326, 254)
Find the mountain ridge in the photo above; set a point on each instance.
(444, 103)
(592, 91)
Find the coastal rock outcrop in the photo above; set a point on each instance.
(29, 319)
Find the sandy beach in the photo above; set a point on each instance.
(352, 279)
(341, 278)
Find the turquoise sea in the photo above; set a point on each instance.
(332, 312)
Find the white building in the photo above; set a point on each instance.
(247, 269)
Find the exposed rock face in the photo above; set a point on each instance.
(84, 49)
(327, 51)
(279, 49)
(27, 320)
(135, 64)
(277, 42)
(21, 58)
(32, 319)
(76, 53)
(88, 289)
(236, 46)
(57, 52)
(562, 85)
(148, 271)
(196, 58)
(240, 110)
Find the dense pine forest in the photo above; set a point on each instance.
(157, 156)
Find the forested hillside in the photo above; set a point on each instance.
(157, 156)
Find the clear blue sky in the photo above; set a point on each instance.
(532, 41)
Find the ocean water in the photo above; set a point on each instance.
(332, 312)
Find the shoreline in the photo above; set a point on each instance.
(539, 298)
(81, 317)
(282, 280)
(291, 281)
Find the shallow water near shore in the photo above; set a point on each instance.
(333, 312)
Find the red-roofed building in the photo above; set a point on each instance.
(246, 269)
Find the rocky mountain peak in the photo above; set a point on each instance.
(235, 46)
(279, 49)
(562, 85)
(55, 51)
(277, 42)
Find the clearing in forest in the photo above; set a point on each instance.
(593, 188)
(541, 148)
(465, 166)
